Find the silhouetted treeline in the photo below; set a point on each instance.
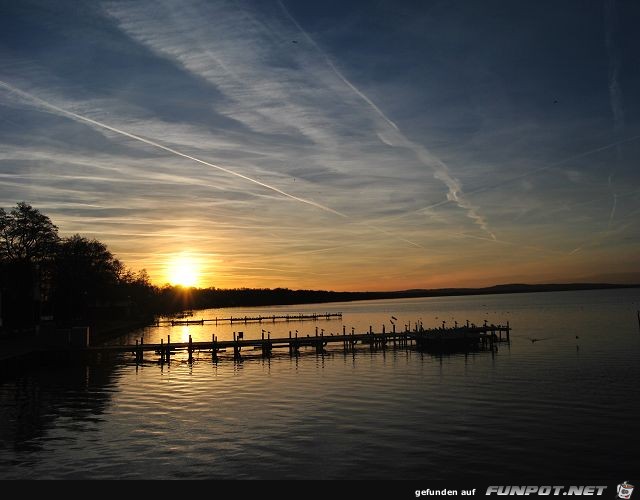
(176, 298)
(68, 281)
(203, 298)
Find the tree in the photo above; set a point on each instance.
(26, 235)
(27, 243)
(86, 276)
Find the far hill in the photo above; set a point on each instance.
(514, 288)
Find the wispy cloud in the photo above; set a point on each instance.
(236, 55)
(57, 109)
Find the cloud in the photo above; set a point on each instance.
(312, 99)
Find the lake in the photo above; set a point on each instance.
(561, 400)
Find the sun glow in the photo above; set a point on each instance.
(183, 270)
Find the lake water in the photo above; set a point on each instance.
(564, 406)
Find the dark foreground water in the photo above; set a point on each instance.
(564, 406)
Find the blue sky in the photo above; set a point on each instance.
(342, 145)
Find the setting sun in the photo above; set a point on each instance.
(183, 270)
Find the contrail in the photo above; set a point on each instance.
(615, 94)
(96, 123)
(75, 116)
(510, 243)
(441, 173)
(338, 73)
(613, 210)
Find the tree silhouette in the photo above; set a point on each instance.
(28, 241)
(86, 276)
(26, 235)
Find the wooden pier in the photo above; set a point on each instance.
(458, 338)
(252, 319)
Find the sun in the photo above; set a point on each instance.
(183, 270)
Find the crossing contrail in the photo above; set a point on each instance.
(441, 170)
(509, 180)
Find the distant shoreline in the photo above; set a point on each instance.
(516, 288)
(251, 297)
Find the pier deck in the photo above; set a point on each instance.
(469, 337)
(252, 319)
(436, 339)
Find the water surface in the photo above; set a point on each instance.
(564, 406)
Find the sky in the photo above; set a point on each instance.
(343, 145)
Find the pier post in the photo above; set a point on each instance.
(168, 348)
(161, 351)
(214, 348)
(290, 344)
(190, 349)
(141, 349)
(137, 353)
(508, 329)
(267, 347)
(236, 347)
